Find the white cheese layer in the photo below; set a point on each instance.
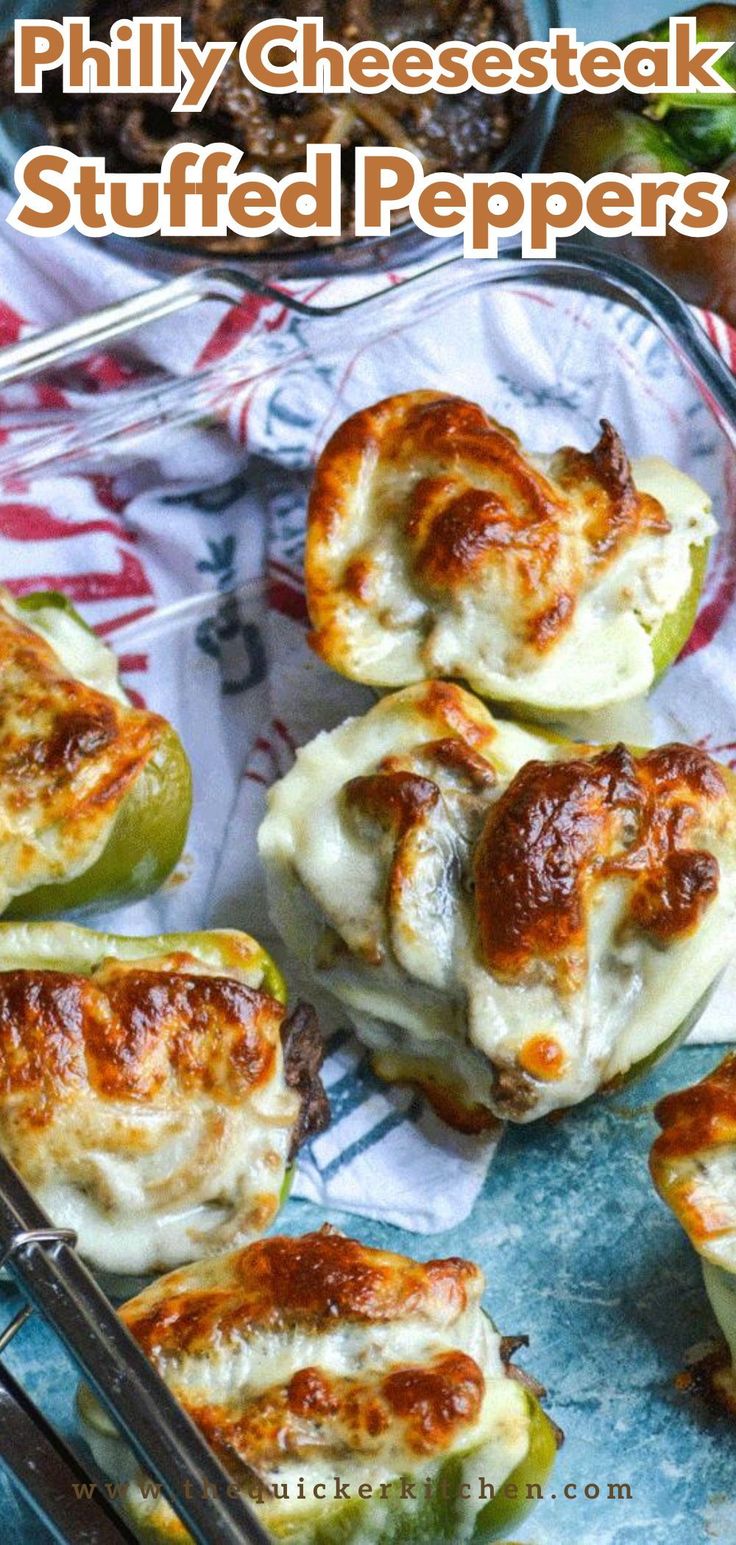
(603, 657)
(232, 1369)
(150, 1183)
(80, 651)
(429, 999)
(118, 1204)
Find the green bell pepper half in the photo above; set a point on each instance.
(398, 1518)
(67, 947)
(720, 1285)
(674, 630)
(149, 830)
(666, 643)
(593, 135)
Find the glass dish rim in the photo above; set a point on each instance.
(177, 400)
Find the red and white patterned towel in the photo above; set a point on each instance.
(217, 513)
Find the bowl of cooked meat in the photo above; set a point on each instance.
(470, 131)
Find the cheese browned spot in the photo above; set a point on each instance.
(699, 1117)
(132, 1038)
(395, 799)
(460, 718)
(311, 1282)
(438, 546)
(693, 1161)
(615, 510)
(68, 755)
(512, 920)
(320, 1416)
(154, 1105)
(562, 828)
(314, 1357)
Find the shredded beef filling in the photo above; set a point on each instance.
(459, 133)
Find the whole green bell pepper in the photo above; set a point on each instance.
(665, 132)
(148, 833)
(706, 135)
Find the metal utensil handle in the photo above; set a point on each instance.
(49, 1476)
(167, 1444)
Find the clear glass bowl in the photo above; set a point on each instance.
(20, 130)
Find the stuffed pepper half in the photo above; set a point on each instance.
(153, 1091)
(438, 546)
(95, 795)
(693, 1164)
(512, 920)
(354, 1394)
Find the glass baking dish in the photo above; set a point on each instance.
(172, 513)
(20, 130)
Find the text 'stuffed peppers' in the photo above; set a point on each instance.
(95, 794)
(154, 1092)
(353, 1394)
(629, 133)
(693, 1164)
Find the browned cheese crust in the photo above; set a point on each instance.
(282, 1284)
(81, 1057)
(462, 500)
(68, 756)
(562, 828)
(314, 1286)
(695, 1123)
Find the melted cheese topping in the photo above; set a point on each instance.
(316, 1356)
(693, 1162)
(70, 747)
(511, 921)
(145, 1100)
(693, 1165)
(437, 546)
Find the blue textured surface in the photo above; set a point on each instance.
(579, 1253)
